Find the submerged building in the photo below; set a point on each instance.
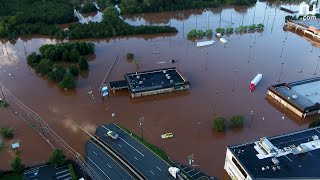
(293, 156)
(301, 97)
(151, 82)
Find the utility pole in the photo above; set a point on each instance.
(141, 120)
(315, 72)
(251, 113)
(282, 63)
(249, 54)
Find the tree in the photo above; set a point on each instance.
(33, 59)
(237, 121)
(17, 165)
(74, 55)
(130, 56)
(68, 81)
(315, 123)
(219, 124)
(7, 133)
(44, 67)
(74, 70)
(83, 64)
(57, 73)
(57, 158)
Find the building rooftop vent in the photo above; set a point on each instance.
(295, 96)
(275, 161)
(315, 137)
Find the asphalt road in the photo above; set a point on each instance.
(103, 163)
(145, 161)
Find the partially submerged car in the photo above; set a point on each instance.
(166, 135)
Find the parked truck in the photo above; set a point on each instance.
(254, 82)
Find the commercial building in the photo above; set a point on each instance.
(152, 82)
(301, 97)
(291, 156)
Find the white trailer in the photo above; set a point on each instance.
(254, 82)
(223, 40)
(204, 43)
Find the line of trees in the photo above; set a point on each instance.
(199, 33)
(47, 62)
(141, 6)
(220, 123)
(241, 29)
(21, 17)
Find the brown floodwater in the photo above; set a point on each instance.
(219, 75)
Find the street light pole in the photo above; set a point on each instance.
(141, 119)
(315, 72)
(251, 113)
(249, 54)
(282, 63)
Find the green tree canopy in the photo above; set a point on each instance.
(44, 67)
(315, 123)
(68, 81)
(57, 158)
(57, 73)
(237, 121)
(74, 70)
(219, 124)
(83, 64)
(7, 133)
(17, 165)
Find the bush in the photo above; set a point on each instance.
(68, 81)
(17, 165)
(237, 121)
(229, 30)
(315, 123)
(72, 172)
(74, 70)
(44, 67)
(4, 103)
(83, 64)
(130, 55)
(57, 73)
(57, 158)
(219, 124)
(220, 30)
(7, 133)
(33, 59)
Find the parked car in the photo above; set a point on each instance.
(112, 135)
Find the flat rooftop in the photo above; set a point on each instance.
(154, 80)
(310, 22)
(302, 94)
(291, 165)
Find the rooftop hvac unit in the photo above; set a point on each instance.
(315, 137)
(275, 161)
(140, 82)
(168, 77)
(164, 71)
(171, 81)
(138, 77)
(295, 96)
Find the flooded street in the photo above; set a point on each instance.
(220, 76)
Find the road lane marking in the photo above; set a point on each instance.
(184, 168)
(158, 168)
(119, 145)
(94, 153)
(135, 158)
(95, 145)
(189, 171)
(124, 141)
(152, 172)
(99, 168)
(195, 174)
(109, 165)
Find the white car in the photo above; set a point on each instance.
(112, 135)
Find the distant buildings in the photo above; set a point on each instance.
(292, 156)
(301, 97)
(305, 9)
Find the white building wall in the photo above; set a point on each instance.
(232, 170)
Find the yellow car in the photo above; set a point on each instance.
(166, 135)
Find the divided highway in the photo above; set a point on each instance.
(140, 157)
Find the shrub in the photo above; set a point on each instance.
(68, 81)
(220, 30)
(17, 165)
(57, 158)
(4, 103)
(130, 55)
(237, 121)
(83, 64)
(229, 30)
(33, 59)
(219, 124)
(260, 27)
(209, 32)
(7, 133)
(74, 70)
(315, 123)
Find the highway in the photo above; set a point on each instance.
(104, 165)
(140, 157)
